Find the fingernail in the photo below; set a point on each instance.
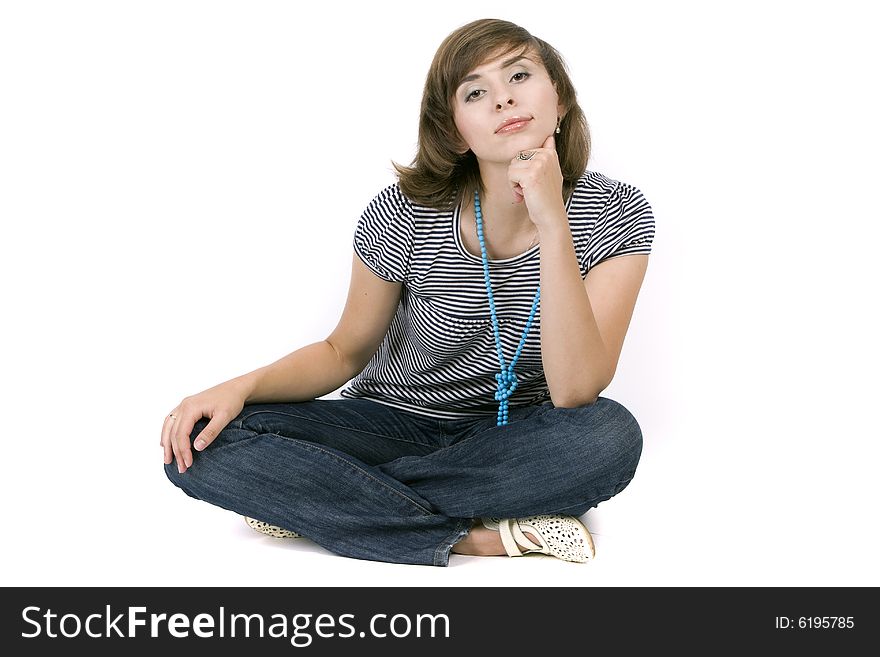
(200, 444)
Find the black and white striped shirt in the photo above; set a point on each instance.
(439, 356)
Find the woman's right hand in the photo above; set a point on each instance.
(221, 404)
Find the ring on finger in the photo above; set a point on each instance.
(526, 155)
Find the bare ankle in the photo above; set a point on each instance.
(480, 542)
(483, 542)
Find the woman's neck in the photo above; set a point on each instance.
(497, 201)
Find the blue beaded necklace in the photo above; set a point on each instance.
(506, 378)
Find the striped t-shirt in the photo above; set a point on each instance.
(439, 356)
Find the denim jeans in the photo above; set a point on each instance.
(366, 480)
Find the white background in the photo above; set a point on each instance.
(179, 185)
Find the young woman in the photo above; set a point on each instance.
(491, 290)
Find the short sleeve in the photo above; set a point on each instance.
(625, 227)
(384, 234)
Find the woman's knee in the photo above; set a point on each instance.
(611, 453)
(171, 471)
(625, 431)
(182, 481)
(614, 437)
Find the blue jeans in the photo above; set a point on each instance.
(369, 481)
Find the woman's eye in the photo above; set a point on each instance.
(475, 93)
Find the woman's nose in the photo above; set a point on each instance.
(505, 100)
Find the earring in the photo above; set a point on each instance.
(558, 121)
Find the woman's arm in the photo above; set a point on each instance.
(307, 373)
(583, 322)
(322, 367)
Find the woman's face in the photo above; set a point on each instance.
(501, 89)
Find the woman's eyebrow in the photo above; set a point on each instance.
(504, 64)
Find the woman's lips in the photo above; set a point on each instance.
(513, 127)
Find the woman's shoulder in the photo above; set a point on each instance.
(391, 199)
(391, 195)
(597, 191)
(596, 184)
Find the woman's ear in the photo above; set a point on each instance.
(561, 111)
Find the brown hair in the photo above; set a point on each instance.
(440, 176)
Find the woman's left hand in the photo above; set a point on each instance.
(538, 182)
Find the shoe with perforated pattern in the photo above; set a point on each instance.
(270, 530)
(563, 537)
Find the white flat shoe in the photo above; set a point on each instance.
(563, 537)
(270, 530)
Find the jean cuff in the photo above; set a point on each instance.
(441, 555)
